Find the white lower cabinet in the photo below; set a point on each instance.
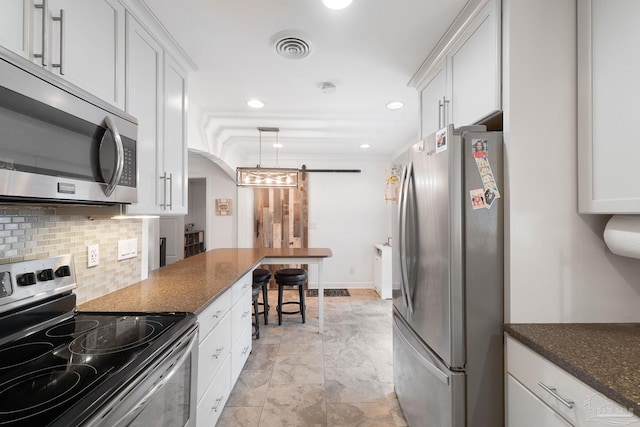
(382, 270)
(525, 409)
(241, 325)
(225, 344)
(540, 394)
(212, 403)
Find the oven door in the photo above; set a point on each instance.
(162, 395)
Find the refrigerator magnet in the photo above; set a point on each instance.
(479, 148)
(478, 200)
(489, 197)
(486, 175)
(441, 140)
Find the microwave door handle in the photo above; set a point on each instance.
(126, 419)
(117, 173)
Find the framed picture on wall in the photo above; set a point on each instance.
(223, 206)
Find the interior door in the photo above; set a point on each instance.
(281, 218)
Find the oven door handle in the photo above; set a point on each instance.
(133, 413)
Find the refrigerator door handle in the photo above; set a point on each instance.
(405, 184)
(432, 368)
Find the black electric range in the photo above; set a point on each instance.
(59, 366)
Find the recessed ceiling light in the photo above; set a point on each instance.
(277, 145)
(365, 145)
(336, 4)
(255, 103)
(395, 105)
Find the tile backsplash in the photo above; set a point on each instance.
(33, 233)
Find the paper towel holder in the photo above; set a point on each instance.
(622, 235)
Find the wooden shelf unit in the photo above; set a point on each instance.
(193, 242)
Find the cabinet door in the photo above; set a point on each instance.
(433, 103)
(88, 46)
(524, 409)
(608, 106)
(14, 25)
(175, 141)
(475, 69)
(144, 101)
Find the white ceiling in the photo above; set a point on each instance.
(369, 51)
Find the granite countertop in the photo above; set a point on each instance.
(605, 356)
(193, 283)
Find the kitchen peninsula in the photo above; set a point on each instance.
(192, 284)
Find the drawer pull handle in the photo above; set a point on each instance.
(245, 314)
(246, 285)
(217, 314)
(218, 352)
(218, 402)
(552, 392)
(245, 350)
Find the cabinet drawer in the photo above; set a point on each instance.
(240, 353)
(211, 405)
(583, 404)
(240, 316)
(241, 286)
(212, 353)
(213, 314)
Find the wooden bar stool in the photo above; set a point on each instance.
(291, 277)
(261, 278)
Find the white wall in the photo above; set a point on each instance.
(348, 214)
(558, 267)
(220, 231)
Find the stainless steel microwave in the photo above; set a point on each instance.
(60, 144)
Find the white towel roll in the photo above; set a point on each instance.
(622, 235)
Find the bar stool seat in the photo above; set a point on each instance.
(291, 277)
(261, 278)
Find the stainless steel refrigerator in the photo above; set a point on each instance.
(448, 281)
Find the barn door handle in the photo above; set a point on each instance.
(257, 228)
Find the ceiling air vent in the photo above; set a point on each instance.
(291, 45)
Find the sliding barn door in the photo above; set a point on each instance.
(281, 218)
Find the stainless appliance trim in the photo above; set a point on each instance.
(125, 406)
(430, 364)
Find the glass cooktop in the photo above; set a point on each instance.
(59, 371)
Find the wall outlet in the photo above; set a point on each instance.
(93, 255)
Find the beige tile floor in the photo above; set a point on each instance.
(297, 377)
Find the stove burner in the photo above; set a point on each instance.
(21, 354)
(119, 336)
(72, 328)
(38, 391)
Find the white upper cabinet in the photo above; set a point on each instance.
(81, 41)
(174, 149)
(434, 105)
(608, 105)
(460, 81)
(156, 95)
(475, 69)
(144, 101)
(14, 26)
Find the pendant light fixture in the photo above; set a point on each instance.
(266, 177)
